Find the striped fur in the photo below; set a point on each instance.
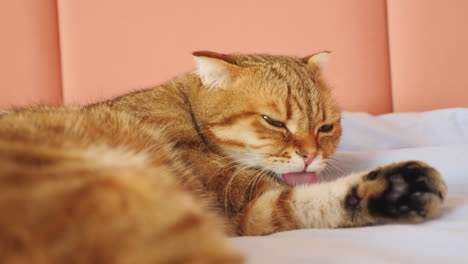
(131, 179)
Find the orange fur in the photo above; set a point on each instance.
(158, 176)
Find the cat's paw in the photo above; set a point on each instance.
(405, 191)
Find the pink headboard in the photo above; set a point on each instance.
(428, 53)
(384, 57)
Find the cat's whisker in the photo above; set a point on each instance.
(226, 166)
(326, 172)
(335, 166)
(250, 182)
(228, 185)
(260, 177)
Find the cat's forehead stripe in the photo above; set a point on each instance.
(276, 73)
(233, 118)
(288, 103)
(275, 108)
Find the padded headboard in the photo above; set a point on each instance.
(387, 56)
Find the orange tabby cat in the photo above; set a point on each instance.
(161, 175)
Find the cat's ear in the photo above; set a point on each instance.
(214, 69)
(319, 59)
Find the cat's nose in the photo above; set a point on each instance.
(307, 156)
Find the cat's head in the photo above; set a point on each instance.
(274, 113)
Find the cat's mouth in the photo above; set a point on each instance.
(296, 178)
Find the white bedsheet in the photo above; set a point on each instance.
(439, 138)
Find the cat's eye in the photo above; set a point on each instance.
(273, 122)
(325, 128)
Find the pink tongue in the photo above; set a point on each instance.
(296, 178)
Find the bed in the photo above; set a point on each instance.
(439, 138)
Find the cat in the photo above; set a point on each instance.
(164, 175)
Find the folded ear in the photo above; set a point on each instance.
(319, 59)
(214, 69)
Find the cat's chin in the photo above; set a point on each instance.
(298, 178)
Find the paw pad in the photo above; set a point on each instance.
(352, 200)
(413, 190)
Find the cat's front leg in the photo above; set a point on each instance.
(406, 191)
